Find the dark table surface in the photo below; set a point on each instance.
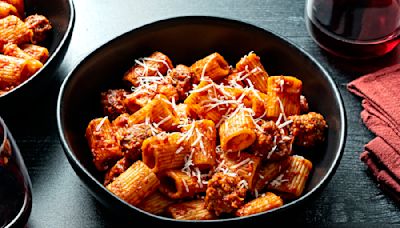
(61, 200)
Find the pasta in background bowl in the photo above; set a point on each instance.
(183, 41)
(33, 46)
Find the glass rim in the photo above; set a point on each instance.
(3, 136)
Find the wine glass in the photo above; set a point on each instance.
(15, 184)
(354, 29)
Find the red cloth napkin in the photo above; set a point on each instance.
(381, 102)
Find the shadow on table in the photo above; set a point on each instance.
(354, 69)
(296, 215)
(386, 190)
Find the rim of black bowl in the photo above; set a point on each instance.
(53, 55)
(81, 170)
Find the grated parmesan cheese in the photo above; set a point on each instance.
(162, 121)
(281, 83)
(279, 119)
(197, 139)
(271, 151)
(250, 84)
(101, 123)
(202, 89)
(157, 60)
(186, 185)
(243, 184)
(203, 72)
(180, 149)
(198, 176)
(153, 128)
(285, 124)
(278, 181)
(242, 163)
(188, 163)
(187, 134)
(282, 108)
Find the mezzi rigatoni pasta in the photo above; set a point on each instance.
(220, 147)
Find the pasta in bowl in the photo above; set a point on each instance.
(191, 137)
(206, 146)
(33, 39)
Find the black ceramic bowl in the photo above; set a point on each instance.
(184, 40)
(61, 14)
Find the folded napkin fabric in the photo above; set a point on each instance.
(381, 102)
(386, 181)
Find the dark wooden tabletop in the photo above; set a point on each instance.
(61, 200)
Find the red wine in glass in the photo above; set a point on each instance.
(15, 185)
(354, 29)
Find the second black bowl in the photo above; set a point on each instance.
(61, 14)
(185, 40)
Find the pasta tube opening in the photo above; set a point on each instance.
(169, 184)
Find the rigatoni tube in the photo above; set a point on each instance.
(156, 203)
(135, 184)
(201, 99)
(15, 71)
(243, 164)
(202, 137)
(7, 9)
(153, 65)
(178, 185)
(283, 96)
(165, 151)
(254, 72)
(269, 171)
(213, 66)
(266, 202)
(290, 184)
(237, 132)
(18, 4)
(103, 143)
(14, 30)
(157, 111)
(37, 52)
(121, 166)
(191, 210)
(13, 50)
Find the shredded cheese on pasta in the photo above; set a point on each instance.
(278, 181)
(186, 185)
(243, 184)
(98, 127)
(242, 163)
